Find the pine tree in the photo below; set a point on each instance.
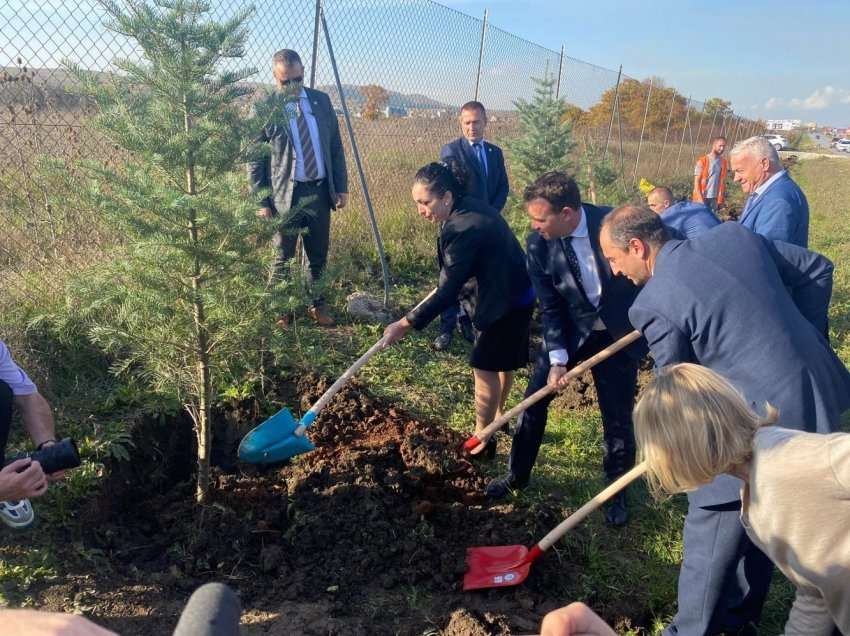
(545, 141)
(179, 299)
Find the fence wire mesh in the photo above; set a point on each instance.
(405, 67)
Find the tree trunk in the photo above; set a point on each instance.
(202, 426)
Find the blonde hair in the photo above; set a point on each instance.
(692, 425)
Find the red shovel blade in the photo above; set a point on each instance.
(498, 566)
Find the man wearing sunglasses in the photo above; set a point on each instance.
(305, 172)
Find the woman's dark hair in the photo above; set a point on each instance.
(444, 176)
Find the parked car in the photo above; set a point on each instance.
(843, 145)
(777, 141)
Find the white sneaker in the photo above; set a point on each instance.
(17, 514)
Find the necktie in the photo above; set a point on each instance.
(482, 159)
(308, 158)
(572, 261)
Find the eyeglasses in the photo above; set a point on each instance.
(294, 80)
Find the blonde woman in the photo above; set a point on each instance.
(691, 425)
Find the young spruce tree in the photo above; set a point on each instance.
(184, 292)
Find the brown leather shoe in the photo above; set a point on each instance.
(322, 319)
(284, 321)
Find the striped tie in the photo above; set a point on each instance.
(311, 167)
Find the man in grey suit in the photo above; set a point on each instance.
(755, 311)
(305, 172)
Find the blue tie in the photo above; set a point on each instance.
(482, 158)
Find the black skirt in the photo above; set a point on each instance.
(503, 346)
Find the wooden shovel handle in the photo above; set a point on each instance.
(328, 395)
(484, 434)
(578, 516)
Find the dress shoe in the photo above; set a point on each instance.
(442, 342)
(501, 487)
(284, 321)
(617, 515)
(320, 317)
(464, 325)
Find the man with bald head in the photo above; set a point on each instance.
(686, 218)
(754, 311)
(776, 206)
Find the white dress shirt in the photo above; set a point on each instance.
(590, 281)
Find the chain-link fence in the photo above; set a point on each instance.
(405, 68)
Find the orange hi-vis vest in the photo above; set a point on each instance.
(703, 180)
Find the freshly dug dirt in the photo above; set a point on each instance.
(364, 535)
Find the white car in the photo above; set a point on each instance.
(843, 145)
(777, 141)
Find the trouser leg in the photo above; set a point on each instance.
(531, 423)
(615, 380)
(6, 401)
(719, 591)
(448, 319)
(317, 239)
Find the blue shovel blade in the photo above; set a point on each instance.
(274, 441)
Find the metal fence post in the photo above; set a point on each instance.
(684, 126)
(480, 55)
(560, 70)
(377, 234)
(711, 130)
(666, 131)
(315, 44)
(613, 108)
(622, 164)
(695, 140)
(642, 129)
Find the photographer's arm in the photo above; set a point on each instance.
(32, 623)
(37, 416)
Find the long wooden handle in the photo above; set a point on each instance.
(578, 516)
(328, 395)
(486, 433)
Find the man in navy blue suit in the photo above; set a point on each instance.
(488, 182)
(688, 219)
(755, 311)
(584, 308)
(776, 206)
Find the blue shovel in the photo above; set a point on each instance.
(280, 437)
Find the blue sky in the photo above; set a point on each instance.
(776, 59)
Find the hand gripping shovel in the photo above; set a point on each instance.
(477, 442)
(502, 566)
(280, 437)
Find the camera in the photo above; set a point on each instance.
(60, 456)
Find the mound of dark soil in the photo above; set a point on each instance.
(364, 535)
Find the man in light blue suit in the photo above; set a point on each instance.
(687, 219)
(755, 311)
(776, 207)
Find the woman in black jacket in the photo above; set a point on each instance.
(477, 249)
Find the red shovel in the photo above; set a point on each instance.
(477, 442)
(505, 565)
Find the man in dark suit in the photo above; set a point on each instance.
(584, 308)
(488, 182)
(687, 219)
(305, 172)
(755, 311)
(776, 206)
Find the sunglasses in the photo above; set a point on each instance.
(294, 80)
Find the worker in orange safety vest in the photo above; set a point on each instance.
(710, 176)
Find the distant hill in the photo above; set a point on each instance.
(355, 98)
(44, 86)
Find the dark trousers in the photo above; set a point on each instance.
(448, 319)
(6, 399)
(615, 380)
(310, 216)
(724, 577)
